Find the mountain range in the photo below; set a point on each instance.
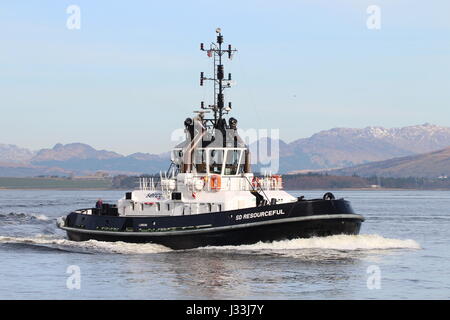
(329, 149)
(428, 165)
(346, 147)
(76, 159)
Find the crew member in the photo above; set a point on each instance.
(99, 204)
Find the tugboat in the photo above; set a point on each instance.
(210, 196)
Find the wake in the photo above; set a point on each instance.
(336, 242)
(90, 246)
(343, 243)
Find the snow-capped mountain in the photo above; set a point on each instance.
(13, 154)
(344, 147)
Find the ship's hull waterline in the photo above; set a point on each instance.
(302, 219)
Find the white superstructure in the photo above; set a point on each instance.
(196, 193)
(210, 170)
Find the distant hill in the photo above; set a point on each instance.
(28, 170)
(344, 147)
(429, 165)
(82, 158)
(330, 149)
(10, 153)
(75, 159)
(69, 151)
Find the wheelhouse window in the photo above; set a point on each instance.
(200, 160)
(177, 157)
(215, 161)
(232, 163)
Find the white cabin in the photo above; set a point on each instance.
(213, 185)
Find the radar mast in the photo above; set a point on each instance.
(216, 52)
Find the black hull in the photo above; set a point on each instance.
(250, 235)
(303, 219)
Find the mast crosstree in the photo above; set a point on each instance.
(220, 83)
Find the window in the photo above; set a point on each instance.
(215, 161)
(232, 162)
(200, 160)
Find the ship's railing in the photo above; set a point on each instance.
(270, 182)
(202, 182)
(234, 183)
(149, 183)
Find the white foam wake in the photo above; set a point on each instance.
(41, 217)
(24, 216)
(91, 246)
(337, 242)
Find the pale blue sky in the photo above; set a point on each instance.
(129, 77)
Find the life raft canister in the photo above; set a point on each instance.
(215, 182)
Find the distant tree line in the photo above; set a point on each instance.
(319, 181)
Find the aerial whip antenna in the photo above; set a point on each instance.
(220, 83)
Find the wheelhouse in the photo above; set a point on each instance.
(211, 161)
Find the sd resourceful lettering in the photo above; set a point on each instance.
(261, 214)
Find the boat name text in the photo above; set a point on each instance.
(261, 214)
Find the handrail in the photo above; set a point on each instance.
(253, 188)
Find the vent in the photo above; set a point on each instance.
(176, 195)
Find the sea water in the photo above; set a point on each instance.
(402, 252)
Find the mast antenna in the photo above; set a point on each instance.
(220, 83)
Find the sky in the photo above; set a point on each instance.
(129, 76)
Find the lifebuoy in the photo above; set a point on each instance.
(216, 182)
